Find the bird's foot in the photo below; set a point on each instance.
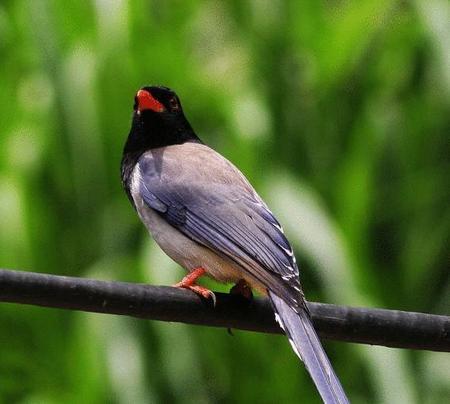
(188, 282)
(203, 292)
(242, 288)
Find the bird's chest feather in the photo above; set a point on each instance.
(184, 251)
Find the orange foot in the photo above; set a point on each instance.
(242, 288)
(188, 282)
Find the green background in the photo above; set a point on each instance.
(337, 111)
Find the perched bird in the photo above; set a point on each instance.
(205, 215)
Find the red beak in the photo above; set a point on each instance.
(146, 101)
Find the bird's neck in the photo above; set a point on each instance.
(152, 134)
(147, 134)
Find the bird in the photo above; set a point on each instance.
(205, 215)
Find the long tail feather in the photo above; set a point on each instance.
(306, 344)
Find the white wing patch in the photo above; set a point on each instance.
(136, 180)
(291, 341)
(278, 320)
(287, 251)
(277, 226)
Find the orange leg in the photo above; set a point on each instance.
(188, 282)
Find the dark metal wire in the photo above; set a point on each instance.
(390, 328)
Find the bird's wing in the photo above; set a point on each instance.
(226, 215)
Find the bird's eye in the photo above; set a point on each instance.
(174, 106)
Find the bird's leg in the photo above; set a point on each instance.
(188, 282)
(190, 278)
(242, 288)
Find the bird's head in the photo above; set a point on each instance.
(157, 102)
(158, 120)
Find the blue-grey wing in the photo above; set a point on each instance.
(229, 219)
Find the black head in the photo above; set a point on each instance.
(157, 100)
(158, 120)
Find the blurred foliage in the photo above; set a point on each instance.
(339, 113)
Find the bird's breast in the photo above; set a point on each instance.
(184, 251)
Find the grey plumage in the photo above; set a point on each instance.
(203, 212)
(306, 344)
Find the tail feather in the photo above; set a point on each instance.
(306, 344)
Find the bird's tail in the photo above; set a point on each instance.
(306, 344)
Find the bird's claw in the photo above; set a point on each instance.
(188, 282)
(203, 292)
